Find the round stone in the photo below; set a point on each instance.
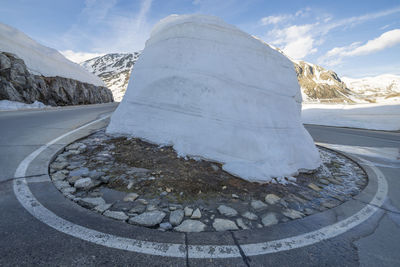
(293, 214)
(188, 211)
(91, 202)
(165, 226)
(269, 219)
(148, 219)
(227, 211)
(58, 176)
(176, 217)
(272, 199)
(258, 205)
(196, 214)
(250, 215)
(83, 183)
(224, 225)
(190, 226)
(241, 224)
(117, 215)
(131, 197)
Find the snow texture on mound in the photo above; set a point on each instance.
(214, 92)
(14, 105)
(42, 60)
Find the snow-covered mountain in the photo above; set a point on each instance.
(321, 85)
(317, 84)
(42, 60)
(380, 88)
(114, 70)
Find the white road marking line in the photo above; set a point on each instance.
(31, 204)
(327, 232)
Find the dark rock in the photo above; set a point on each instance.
(17, 84)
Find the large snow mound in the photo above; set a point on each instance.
(215, 92)
(42, 60)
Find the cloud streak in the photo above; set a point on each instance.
(385, 40)
(299, 41)
(104, 27)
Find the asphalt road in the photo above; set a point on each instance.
(25, 240)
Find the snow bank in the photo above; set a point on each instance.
(385, 82)
(366, 116)
(14, 105)
(214, 92)
(42, 60)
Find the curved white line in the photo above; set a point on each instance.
(32, 205)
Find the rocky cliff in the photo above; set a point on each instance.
(321, 85)
(114, 69)
(18, 84)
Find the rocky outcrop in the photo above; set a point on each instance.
(18, 84)
(114, 69)
(319, 84)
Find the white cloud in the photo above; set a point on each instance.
(300, 40)
(79, 57)
(97, 10)
(352, 21)
(296, 41)
(273, 19)
(285, 17)
(303, 12)
(386, 40)
(103, 27)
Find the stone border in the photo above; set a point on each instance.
(253, 244)
(83, 184)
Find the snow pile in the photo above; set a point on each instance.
(114, 69)
(42, 60)
(381, 89)
(385, 82)
(14, 105)
(214, 92)
(366, 116)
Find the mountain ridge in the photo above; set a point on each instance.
(318, 85)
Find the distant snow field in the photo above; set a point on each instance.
(366, 116)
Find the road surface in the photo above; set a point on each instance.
(27, 239)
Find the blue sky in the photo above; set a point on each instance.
(353, 38)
